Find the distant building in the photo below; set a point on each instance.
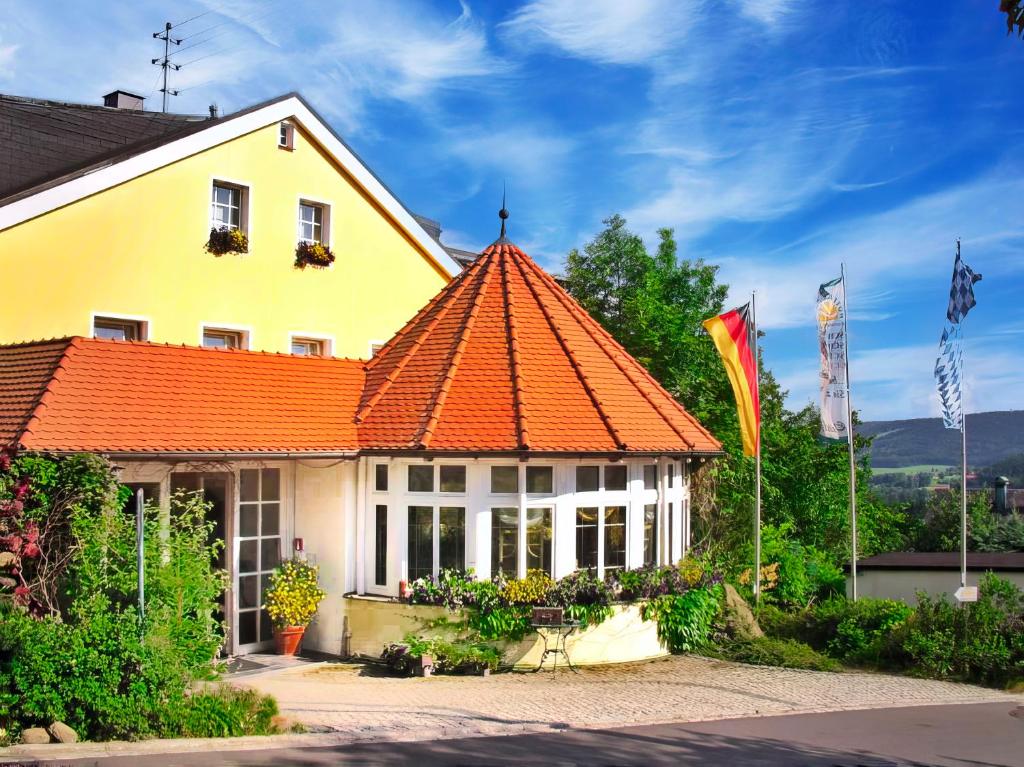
(901, 574)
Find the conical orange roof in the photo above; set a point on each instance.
(503, 359)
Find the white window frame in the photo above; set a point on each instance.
(142, 323)
(244, 202)
(479, 502)
(244, 334)
(326, 233)
(286, 135)
(436, 467)
(326, 342)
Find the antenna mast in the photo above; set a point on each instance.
(165, 63)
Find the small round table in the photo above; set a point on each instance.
(559, 632)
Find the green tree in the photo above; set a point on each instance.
(654, 305)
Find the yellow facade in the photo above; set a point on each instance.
(137, 250)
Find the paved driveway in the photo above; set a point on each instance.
(346, 698)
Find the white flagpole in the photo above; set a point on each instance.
(757, 510)
(963, 458)
(849, 433)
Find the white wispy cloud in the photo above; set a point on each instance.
(604, 31)
(891, 251)
(7, 60)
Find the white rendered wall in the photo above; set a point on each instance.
(325, 515)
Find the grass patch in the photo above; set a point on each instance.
(924, 468)
(768, 651)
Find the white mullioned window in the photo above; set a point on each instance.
(311, 222)
(226, 207)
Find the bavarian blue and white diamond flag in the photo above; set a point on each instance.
(949, 365)
(832, 345)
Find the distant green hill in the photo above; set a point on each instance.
(991, 437)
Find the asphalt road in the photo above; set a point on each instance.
(981, 734)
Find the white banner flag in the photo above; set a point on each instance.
(832, 341)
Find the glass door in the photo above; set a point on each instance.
(258, 553)
(214, 487)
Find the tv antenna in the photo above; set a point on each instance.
(165, 63)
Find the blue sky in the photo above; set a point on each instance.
(777, 137)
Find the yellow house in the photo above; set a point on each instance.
(110, 218)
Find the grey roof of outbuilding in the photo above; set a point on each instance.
(942, 560)
(41, 140)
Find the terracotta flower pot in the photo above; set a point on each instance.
(288, 639)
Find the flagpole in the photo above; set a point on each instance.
(963, 459)
(849, 434)
(757, 491)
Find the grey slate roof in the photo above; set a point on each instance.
(41, 140)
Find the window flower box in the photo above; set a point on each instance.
(225, 240)
(314, 254)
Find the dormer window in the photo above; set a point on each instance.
(286, 136)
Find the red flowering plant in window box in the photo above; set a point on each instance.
(315, 254)
(225, 240)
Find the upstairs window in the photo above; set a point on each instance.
(224, 339)
(286, 136)
(118, 329)
(226, 210)
(312, 222)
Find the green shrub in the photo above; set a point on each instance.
(685, 620)
(793, 574)
(451, 656)
(979, 641)
(769, 651)
(224, 712)
(853, 632)
(81, 653)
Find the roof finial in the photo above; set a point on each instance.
(503, 213)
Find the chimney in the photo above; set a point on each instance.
(123, 100)
(1002, 485)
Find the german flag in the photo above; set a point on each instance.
(733, 334)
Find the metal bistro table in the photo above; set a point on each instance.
(550, 623)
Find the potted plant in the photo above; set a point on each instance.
(227, 240)
(291, 601)
(315, 254)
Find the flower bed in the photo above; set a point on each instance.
(659, 609)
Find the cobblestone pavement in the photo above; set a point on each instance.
(350, 699)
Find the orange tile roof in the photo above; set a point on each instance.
(503, 359)
(25, 372)
(128, 397)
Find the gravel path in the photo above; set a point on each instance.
(346, 698)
